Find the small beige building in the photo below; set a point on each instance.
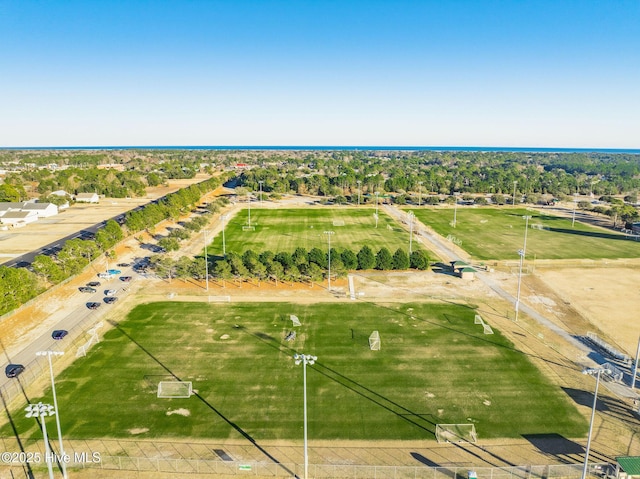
(87, 198)
(18, 218)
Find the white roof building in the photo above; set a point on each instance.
(87, 198)
(18, 218)
(43, 210)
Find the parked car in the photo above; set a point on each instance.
(105, 275)
(94, 284)
(126, 279)
(87, 289)
(110, 292)
(110, 299)
(114, 271)
(93, 305)
(13, 370)
(124, 265)
(59, 334)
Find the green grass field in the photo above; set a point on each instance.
(287, 229)
(498, 233)
(435, 366)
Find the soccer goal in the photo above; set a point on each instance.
(486, 328)
(374, 341)
(456, 433)
(338, 222)
(248, 228)
(294, 319)
(174, 389)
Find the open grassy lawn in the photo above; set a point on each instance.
(498, 233)
(435, 366)
(287, 229)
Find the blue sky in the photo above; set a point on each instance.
(417, 73)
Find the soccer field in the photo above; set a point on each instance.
(286, 229)
(498, 233)
(434, 366)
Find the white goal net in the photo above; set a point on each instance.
(456, 433)
(374, 341)
(174, 389)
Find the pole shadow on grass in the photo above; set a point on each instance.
(204, 401)
(26, 466)
(419, 420)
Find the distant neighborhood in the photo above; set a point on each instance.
(21, 213)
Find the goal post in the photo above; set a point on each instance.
(456, 433)
(374, 341)
(174, 389)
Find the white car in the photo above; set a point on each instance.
(110, 292)
(105, 275)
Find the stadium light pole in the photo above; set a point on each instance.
(455, 211)
(359, 190)
(522, 252)
(597, 372)
(377, 193)
(260, 182)
(305, 359)
(635, 367)
(329, 233)
(419, 193)
(224, 245)
(206, 260)
(514, 192)
(249, 201)
(573, 219)
(48, 354)
(43, 410)
(411, 216)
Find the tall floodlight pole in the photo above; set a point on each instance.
(359, 190)
(411, 216)
(260, 182)
(419, 193)
(597, 372)
(522, 252)
(43, 410)
(329, 233)
(455, 211)
(206, 259)
(224, 245)
(55, 405)
(377, 193)
(249, 201)
(305, 359)
(635, 368)
(573, 220)
(514, 192)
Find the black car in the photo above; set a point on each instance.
(94, 284)
(13, 370)
(87, 289)
(110, 299)
(93, 305)
(124, 265)
(126, 279)
(59, 334)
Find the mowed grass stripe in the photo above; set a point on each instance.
(286, 229)
(435, 366)
(498, 233)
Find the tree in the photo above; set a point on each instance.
(300, 257)
(498, 199)
(419, 260)
(46, 267)
(349, 259)
(366, 259)
(400, 259)
(319, 257)
(222, 270)
(169, 244)
(384, 259)
(285, 259)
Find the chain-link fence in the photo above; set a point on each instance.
(213, 468)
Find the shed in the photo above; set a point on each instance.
(467, 273)
(628, 467)
(43, 210)
(18, 218)
(87, 198)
